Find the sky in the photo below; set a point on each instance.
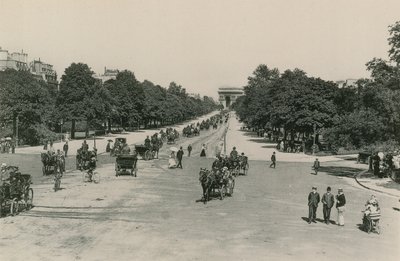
(201, 44)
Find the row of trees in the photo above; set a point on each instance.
(353, 116)
(39, 109)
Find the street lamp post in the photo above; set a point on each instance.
(315, 128)
(16, 131)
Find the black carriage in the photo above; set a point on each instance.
(145, 152)
(126, 164)
(16, 194)
(51, 162)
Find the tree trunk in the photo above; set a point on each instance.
(109, 124)
(14, 125)
(87, 129)
(73, 129)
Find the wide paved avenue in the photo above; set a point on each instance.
(156, 217)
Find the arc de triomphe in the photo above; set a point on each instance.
(228, 95)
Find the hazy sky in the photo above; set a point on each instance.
(201, 44)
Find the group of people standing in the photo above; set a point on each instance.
(328, 201)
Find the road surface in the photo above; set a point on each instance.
(156, 216)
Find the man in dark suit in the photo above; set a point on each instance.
(328, 201)
(179, 156)
(273, 159)
(313, 200)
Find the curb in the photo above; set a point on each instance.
(366, 187)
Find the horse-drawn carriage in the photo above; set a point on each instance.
(126, 163)
(17, 193)
(83, 158)
(213, 180)
(52, 163)
(146, 152)
(118, 145)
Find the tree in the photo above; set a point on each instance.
(77, 88)
(25, 99)
(129, 98)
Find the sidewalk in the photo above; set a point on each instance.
(383, 185)
(136, 137)
(257, 148)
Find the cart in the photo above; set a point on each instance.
(17, 194)
(145, 152)
(125, 163)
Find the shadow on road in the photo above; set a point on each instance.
(340, 171)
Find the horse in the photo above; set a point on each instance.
(207, 181)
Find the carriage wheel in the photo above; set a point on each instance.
(96, 178)
(85, 177)
(377, 227)
(246, 169)
(133, 172)
(222, 192)
(29, 199)
(14, 207)
(116, 170)
(147, 155)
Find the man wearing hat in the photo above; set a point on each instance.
(328, 201)
(313, 200)
(179, 156)
(273, 159)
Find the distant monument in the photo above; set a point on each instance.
(228, 95)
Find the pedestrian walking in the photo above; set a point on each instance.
(316, 166)
(189, 148)
(273, 159)
(313, 200)
(65, 148)
(179, 156)
(341, 206)
(203, 150)
(45, 145)
(328, 201)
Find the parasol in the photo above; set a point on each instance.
(174, 149)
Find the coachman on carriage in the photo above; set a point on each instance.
(52, 162)
(15, 190)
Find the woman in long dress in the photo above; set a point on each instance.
(172, 161)
(203, 150)
(340, 205)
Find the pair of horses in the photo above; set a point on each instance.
(221, 180)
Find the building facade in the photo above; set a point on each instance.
(16, 61)
(228, 95)
(108, 75)
(43, 71)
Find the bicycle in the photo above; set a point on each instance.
(57, 179)
(91, 176)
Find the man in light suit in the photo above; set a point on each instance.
(313, 200)
(328, 201)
